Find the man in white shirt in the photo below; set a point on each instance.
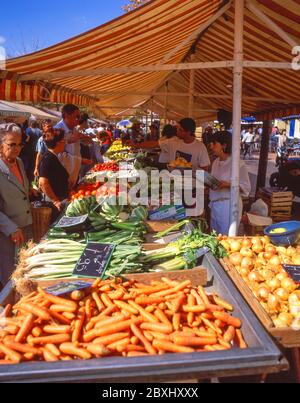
(71, 117)
(189, 148)
(248, 141)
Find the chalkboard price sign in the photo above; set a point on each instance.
(94, 260)
(68, 222)
(293, 271)
(66, 288)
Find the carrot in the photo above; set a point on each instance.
(98, 301)
(53, 349)
(115, 295)
(96, 283)
(111, 329)
(78, 327)
(197, 296)
(21, 348)
(176, 321)
(230, 320)
(148, 346)
(161, 316)
(126, 307)
(25, 328)
(191, 300)
(113, 319)
(229, 334)
(6, 311)
(225, 344)
(49, 356)
(7, 362)
(134, 340)
(12, 329)
(68, 315)
(171, 347)
(150, 308)
(148, 336)
(88, 309)
(240, 339)
(205, 334)
(146, 315)
(173, 296)
(54, 339)
(10, 354)
(77, 295)
(222, 303)
(203, 295)
(61, 318)
(145, 301)
(106, 300)
(36, 332)
(212, 326)
(98, 349)
(55, 329)
(149, 290)
(62, 308)
(119, 345)
(136, 354)
(105, 288)
(194, 309)
(220, 324)
(71, 349)
(105, 340)
(157, 327)
(194, 341)
(160, 336)
(176, 305)
(132, 347)
(109, 310)
(58, 300)
(41, 313)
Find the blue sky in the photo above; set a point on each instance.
(31, 23)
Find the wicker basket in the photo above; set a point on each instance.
(41, 217)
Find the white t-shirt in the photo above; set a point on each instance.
(166, 146)
(195, 152)
(221, 170)
(74, 148)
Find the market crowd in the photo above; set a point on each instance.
(56, 156)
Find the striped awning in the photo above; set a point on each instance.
(143, 38)
(12, 111)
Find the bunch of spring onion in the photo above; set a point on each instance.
(49, 260)
(180, 254)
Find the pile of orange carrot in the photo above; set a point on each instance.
(112, 318)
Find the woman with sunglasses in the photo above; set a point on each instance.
(15, 213)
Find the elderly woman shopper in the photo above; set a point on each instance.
(15, 214)
(53, 176)
(221, 147)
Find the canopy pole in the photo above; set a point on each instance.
(192, 89)
(166, 103)
(264, 153)
(237, 115)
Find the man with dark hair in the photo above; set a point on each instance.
(70, 119)
(189, 148)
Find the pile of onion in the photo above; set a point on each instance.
(259, 263)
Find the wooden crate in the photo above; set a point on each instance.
(158, 226)
(280, 203)
(287, 337)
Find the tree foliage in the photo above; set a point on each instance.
(133, 4)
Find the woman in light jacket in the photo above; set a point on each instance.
(221, 146)
(15, 213)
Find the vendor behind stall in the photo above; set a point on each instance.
(221, 146)
(54, 178)
(191, 149)
(15, 214)
(169, 137)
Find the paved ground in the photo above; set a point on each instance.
(252, 165)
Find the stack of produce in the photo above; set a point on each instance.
(54, 259)
(182, 254)
(180, 162)
(86, 190)
(112, 318)
(260, 265)
(106, 167)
